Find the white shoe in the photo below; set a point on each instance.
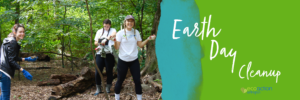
(139, 96)
(117, 96)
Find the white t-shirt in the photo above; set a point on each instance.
(107, 48)
(128, 50)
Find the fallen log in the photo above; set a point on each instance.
(56, 79)
(64, 78)
(85, 80)
(29, 68)
(49, 82)
(87, 73)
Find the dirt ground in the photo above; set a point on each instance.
(23, 89)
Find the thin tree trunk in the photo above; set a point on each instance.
(63, 41)
(17, 12)
(70, 49)
(62, 51)
(141, 20)
(141, 28)
(91, 44)
(151, 60)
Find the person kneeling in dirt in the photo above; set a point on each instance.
(9, 57)
(104, 55)
(127, 41)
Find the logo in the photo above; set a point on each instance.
(255, 90)
(130, 36)
(244, 90)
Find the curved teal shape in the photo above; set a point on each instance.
(179, 60)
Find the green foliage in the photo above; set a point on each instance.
(48, 24)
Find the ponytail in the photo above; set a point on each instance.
(14, 29)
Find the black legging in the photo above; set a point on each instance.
(109, 63)
(122, 67)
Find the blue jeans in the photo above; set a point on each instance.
(5, 86)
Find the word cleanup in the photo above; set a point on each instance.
(215, 46)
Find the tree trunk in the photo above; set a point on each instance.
(151, 60)
(91, 44)
(85, 80)
(17, 12)
(63, 41)
(141, 28)
(70, 49)
(62, 51)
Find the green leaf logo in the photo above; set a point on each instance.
(243, 90)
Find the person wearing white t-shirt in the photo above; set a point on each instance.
(127, 42)
(104, 55)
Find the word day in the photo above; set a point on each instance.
(215, 44)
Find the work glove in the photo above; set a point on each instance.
(31, 59)
(152, 37)
(27, 75)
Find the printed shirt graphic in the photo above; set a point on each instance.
(110, 42)
(128, 50)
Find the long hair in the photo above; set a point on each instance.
(124, 23)
(14, 29)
